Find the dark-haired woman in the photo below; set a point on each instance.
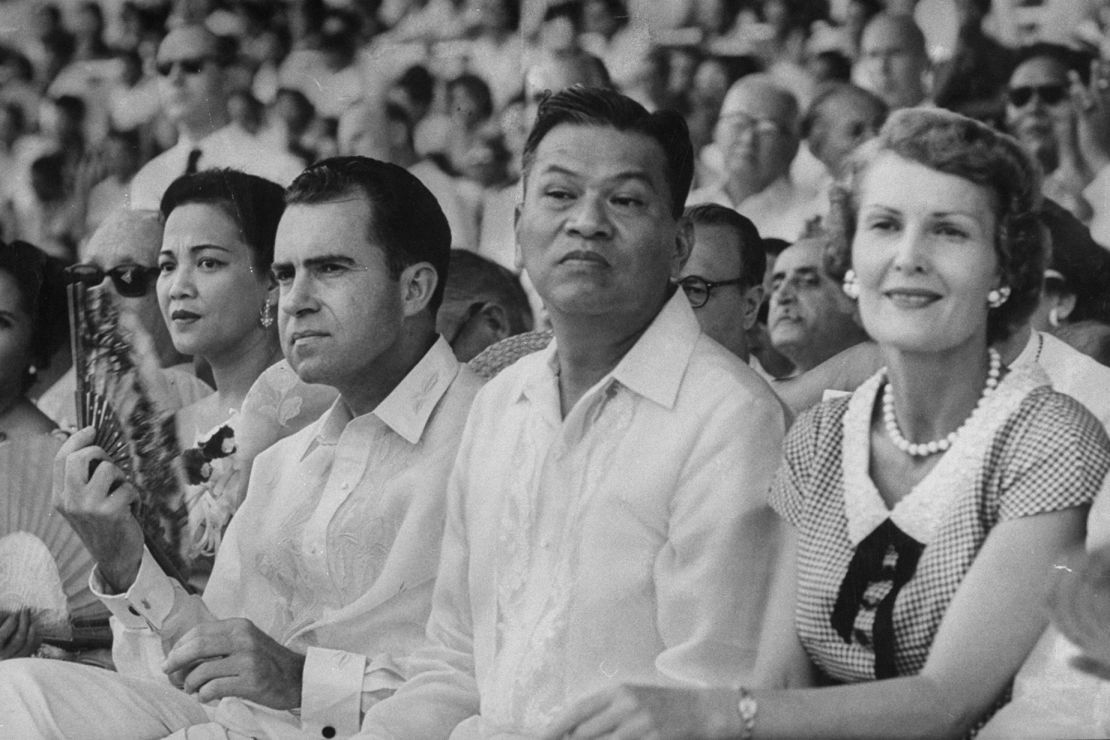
(220, 304)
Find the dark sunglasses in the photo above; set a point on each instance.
(1050, 94)
(131, 281)
(188, 66)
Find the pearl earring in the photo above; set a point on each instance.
(851, 285)
(998, 296)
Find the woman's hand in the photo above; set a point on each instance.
(19, 637)
(1091, 104)
(644, 711)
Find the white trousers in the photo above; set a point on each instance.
(54, 699)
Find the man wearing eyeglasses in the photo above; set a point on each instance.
(757, 137)
(723, 279)
(192, 87)
(123, 251)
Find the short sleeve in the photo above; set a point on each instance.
(799, 455)
(1058, 460)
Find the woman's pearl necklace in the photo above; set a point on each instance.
(925, 449)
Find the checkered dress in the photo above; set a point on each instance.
(1025, 450)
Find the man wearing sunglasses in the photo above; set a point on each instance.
(121, 254)
(193, 90)
(1040, 115)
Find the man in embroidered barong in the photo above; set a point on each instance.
(324, 580)
(606, 514)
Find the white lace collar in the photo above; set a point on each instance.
(919, 512)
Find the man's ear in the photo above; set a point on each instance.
(684, 245)
(1065, 304)
(418, 282)
(496, 319)
(753, 299)
(518, 257)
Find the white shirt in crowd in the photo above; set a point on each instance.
(780, 210)
(229, 146)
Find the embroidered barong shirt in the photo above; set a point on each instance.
(627, 541)
(333, 552)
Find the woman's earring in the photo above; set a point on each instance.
(266, 316)
(998, 296)
(851, 285)
(32, 370)
(1054, 317)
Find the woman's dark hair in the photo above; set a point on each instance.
(253, 202)
(956, 145)
(42, 295)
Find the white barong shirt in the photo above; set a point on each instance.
(629, 541)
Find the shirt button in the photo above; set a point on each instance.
(328, 731)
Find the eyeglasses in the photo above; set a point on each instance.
(131, 281)
(1049, 94)
(698, 289)
(740, 123)
(471, 311)
(188, 66)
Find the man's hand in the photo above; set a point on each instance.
(94, 497)
(19, 638)
(644, 711)
(232, 657)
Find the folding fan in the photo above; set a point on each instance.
(120, 393)
(26, 509)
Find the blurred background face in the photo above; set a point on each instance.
(209, 290)
(756, 132)
(15, 338)
(192, 88)
(841, 125)
(891, 65)
(1040, 86)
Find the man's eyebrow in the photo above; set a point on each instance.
(639, 175)
(329, 259)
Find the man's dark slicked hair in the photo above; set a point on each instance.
(595, 106)
(405, 218)
(253, 202)
(753, 260)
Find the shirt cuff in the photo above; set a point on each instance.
(146, 604)
(331, 692)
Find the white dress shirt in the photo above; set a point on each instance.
(780, 210)
(627, 541)
(229, 146)
(333, 553)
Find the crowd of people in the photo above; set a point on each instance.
(598, 368)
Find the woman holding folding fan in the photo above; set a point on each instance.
(33, 537)
(926, 511)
